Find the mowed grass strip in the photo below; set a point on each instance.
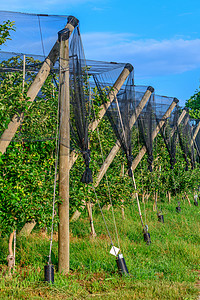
(163, 270)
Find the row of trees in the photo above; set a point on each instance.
(27, 167)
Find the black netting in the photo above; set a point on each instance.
(80, 102)
(11, 64)
(169, 134)
(139, 92)
(39, 121)
(160, 105)
(35, 33)
(197, 144)
(185, 133)
(120, 111)
(146, 125)
(149, 119)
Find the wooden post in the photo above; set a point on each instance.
(155, 207)
(111, 96)
(143, 197)
(122, 170)
(27, 228)
(123, 213)
(117, 146)
(195, 134)
(154, 134)
(180, 119)
(89, 209)
(187, 198)
(33, 90)
(64, 149)
(169, 196)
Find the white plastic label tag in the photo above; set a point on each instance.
(114, 250)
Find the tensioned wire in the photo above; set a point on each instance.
(41, 35)
(197, 147)
(100, 144)
(108, 186)
(178, 160)
(55, 174)
(145, 215)
(156, 192)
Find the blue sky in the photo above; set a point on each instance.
(160, 39)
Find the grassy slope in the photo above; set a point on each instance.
(163, 270)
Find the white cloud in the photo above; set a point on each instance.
(150, 57)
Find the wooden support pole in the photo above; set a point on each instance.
(117, 146)
(155, 207)
(180, 119)
(89, 209)
(64, 149)
(169, 196)
(111, 96)
(27, 228)
(195, 134)
(154, 134)
(143, 197)
(33, 90)
(187, 198)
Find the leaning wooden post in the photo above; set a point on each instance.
(187, 198)
(89, 209)
(180, 119)
(33, 90)
(64, 148)
(103, 108)
(169, 196)
(117, 146)
(154, 134)
(195, 134)
(111, 96)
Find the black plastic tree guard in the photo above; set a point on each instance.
(178, 208)
(49, 273)
(121, 264)
(160, 218)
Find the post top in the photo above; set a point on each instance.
(151, 89)
(176, 100)
(129, 67)
(73, 21)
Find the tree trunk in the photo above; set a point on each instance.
(10, 257)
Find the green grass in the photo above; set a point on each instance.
(164, 270)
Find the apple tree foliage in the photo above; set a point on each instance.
(27, 167)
